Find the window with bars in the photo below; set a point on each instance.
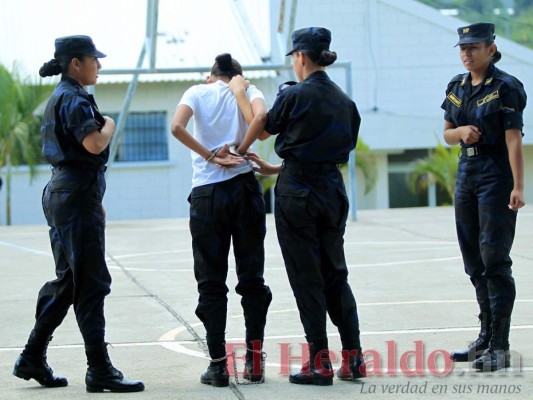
(144, 138)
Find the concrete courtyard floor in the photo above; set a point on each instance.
(415, 305)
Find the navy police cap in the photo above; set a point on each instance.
(77, 45)
(476, 33)
(313, 38)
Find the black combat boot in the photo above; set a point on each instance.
(254, 370)
(102, 376)
(316, 371)
(353, 365)
(497, 356)
(476, 348)
(32, 364)
(216, 374)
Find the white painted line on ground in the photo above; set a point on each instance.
(385, 264)
(396, 263)
(178, 348)
(403, 243)
(112, 267)
(152, 253)
(170, 336)
(387, 332)
(390, 303)
(26, 249)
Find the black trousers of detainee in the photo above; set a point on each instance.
(311, 210)
(221, 214)
(72, 204)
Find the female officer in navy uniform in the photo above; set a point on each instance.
(75, 140)
(318, 125)
(483, 113)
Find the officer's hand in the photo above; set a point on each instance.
(469, 134)
(228, 160)
(263, 167)
(516, 200)
(238, 83)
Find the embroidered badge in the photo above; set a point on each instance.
(454, 99)
(466, 30)
(487, 98)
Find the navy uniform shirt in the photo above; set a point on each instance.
(316, 121)
(71, 113)
(494, 106)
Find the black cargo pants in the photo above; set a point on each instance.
(72, 204)
(232, 210)
(311, 209)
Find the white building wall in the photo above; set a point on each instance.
(402, 57)
(156, 189)
(25, 195)
(377, 197)
(402, 54)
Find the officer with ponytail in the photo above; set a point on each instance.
(317, 126)
(75, 140)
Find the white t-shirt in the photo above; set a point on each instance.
(217, 121)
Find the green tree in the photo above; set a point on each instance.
(522, 31)
(440, 168)
(19, 126)
(517, 26)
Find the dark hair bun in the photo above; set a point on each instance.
(224, 62)
(50, 68)
(326, 58)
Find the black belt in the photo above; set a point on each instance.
(310, 166)
(80, 167)
(476, 151)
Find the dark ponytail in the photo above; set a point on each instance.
(58, 65)
(225, 65)
(50, 68)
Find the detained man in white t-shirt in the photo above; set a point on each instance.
(226, 204)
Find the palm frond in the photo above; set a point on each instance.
(19, 130)
(439, 168)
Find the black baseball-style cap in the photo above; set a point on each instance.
(475, 33)
(77, 44)
(312, 38)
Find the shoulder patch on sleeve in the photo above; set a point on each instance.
(454, 99)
